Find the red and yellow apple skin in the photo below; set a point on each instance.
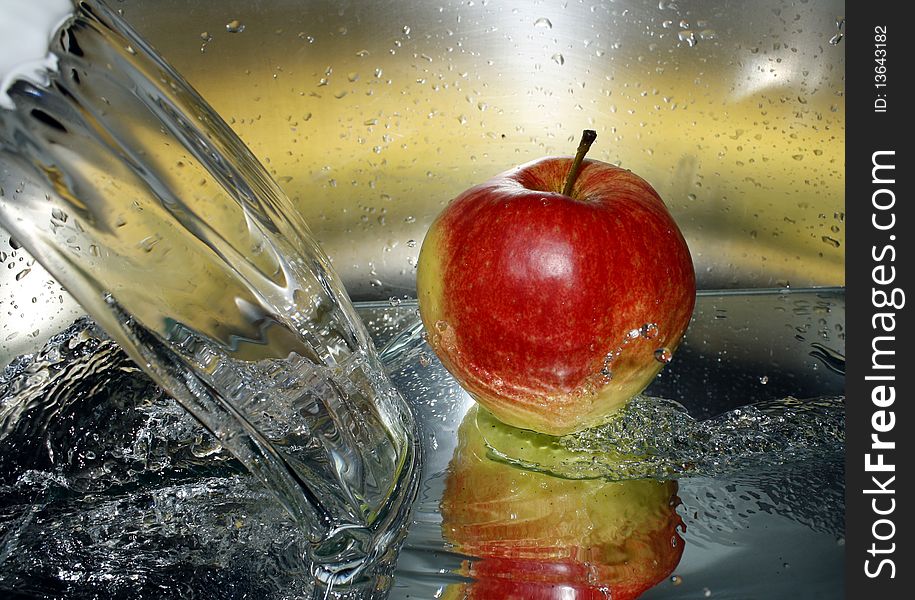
(540, 537)
(553, 311)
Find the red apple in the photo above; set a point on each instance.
(553, 309)
(539, 537)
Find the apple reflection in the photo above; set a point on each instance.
(535, 536)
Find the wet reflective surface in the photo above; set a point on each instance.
(109, 490)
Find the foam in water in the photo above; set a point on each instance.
(26, 27)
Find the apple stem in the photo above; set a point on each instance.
(587, 138)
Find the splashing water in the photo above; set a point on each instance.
(107, 486)
(658, 439)
(174, 238)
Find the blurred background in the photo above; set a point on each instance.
(372, 115)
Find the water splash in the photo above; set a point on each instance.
(658, 439)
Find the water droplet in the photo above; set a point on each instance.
(559, 59)
(605, 373)
(424, 359)
(411, 243)
(441, 326)
(148, 243)
(676, 579)
(764, 379)
(831, 241)
(59, 215)
(650, 331)
(798, 157)
(544, 23)
(634, 333)
(707, 592)
(689, 37)
(462, 120)
(663, 355)
(235, 26)
(834, 40)
(22, 274)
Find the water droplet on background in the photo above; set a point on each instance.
(544, 23)
(235, 26)
(650, 331)
(663, 355)
(689, 37)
